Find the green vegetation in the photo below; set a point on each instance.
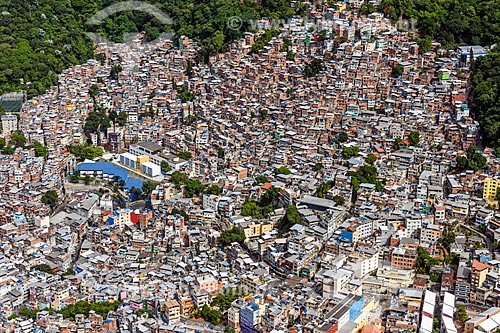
(68, 272)
(397, 144)
(462, 314)
(8, 150)
(370, 159)
(148, 186)
(208, 314)
(447, 237)
(190, 118)
(471, 22)
(101, 308)
(349, 152)
(221, 153)
(224, 300)
(180, 212)
(474, 160)
(340, 201)
(120, 118)
(314, 67)
(485, 96)
(414, 138)
(318, 166)
(365, 174)
(115, 70)
(165, 167)
(86, 151)
(43, 268)
(193, 187)
(185, 96)
(40, 150)
(96, 121)
(424, 261)
(232, 235)
(283, 170)
(50, 198)
(264, 39)
(261, 179)
(213, 189)
(178, 178)
(263, 207)
(185, 155)
(286, 44)
(39, 40)
(290, 218)
(17, 138)
(323, 189)
(397, 71)
(343, 137)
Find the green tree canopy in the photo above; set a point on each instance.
(50, 198)
(414, 138)
(185, 155)
(283, 170)
(17, 138)
(86, 151)
(232, 235)
(291, 218)
(349, 152)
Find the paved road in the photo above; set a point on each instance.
(486, 238)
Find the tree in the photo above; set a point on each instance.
(185, 96)
(397, 71)
(214, 190)
(318, 166)
(261, 179)
(193, 187)
(349, 152)
(221, 153)
(86, 151)
(462, 314)
(115, 70)
(290, 218)
(263, 113)
(283, 170)
(17, 138)
(8, 150)
(447, 237)
(314, 67)
(342, 137)
(396, 144)
(461, 162)
(178, 178)
(43, 268)
(40, 150)
(50, 198)
(165, 167)
(414, 138)
(232, 235)
(2, 143)
(370, 159)
(185, 155)
(340, 201)
(148, 186)
(94, 91)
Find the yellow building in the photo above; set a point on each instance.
(490, 188)
(253, 229)
(140, 160)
